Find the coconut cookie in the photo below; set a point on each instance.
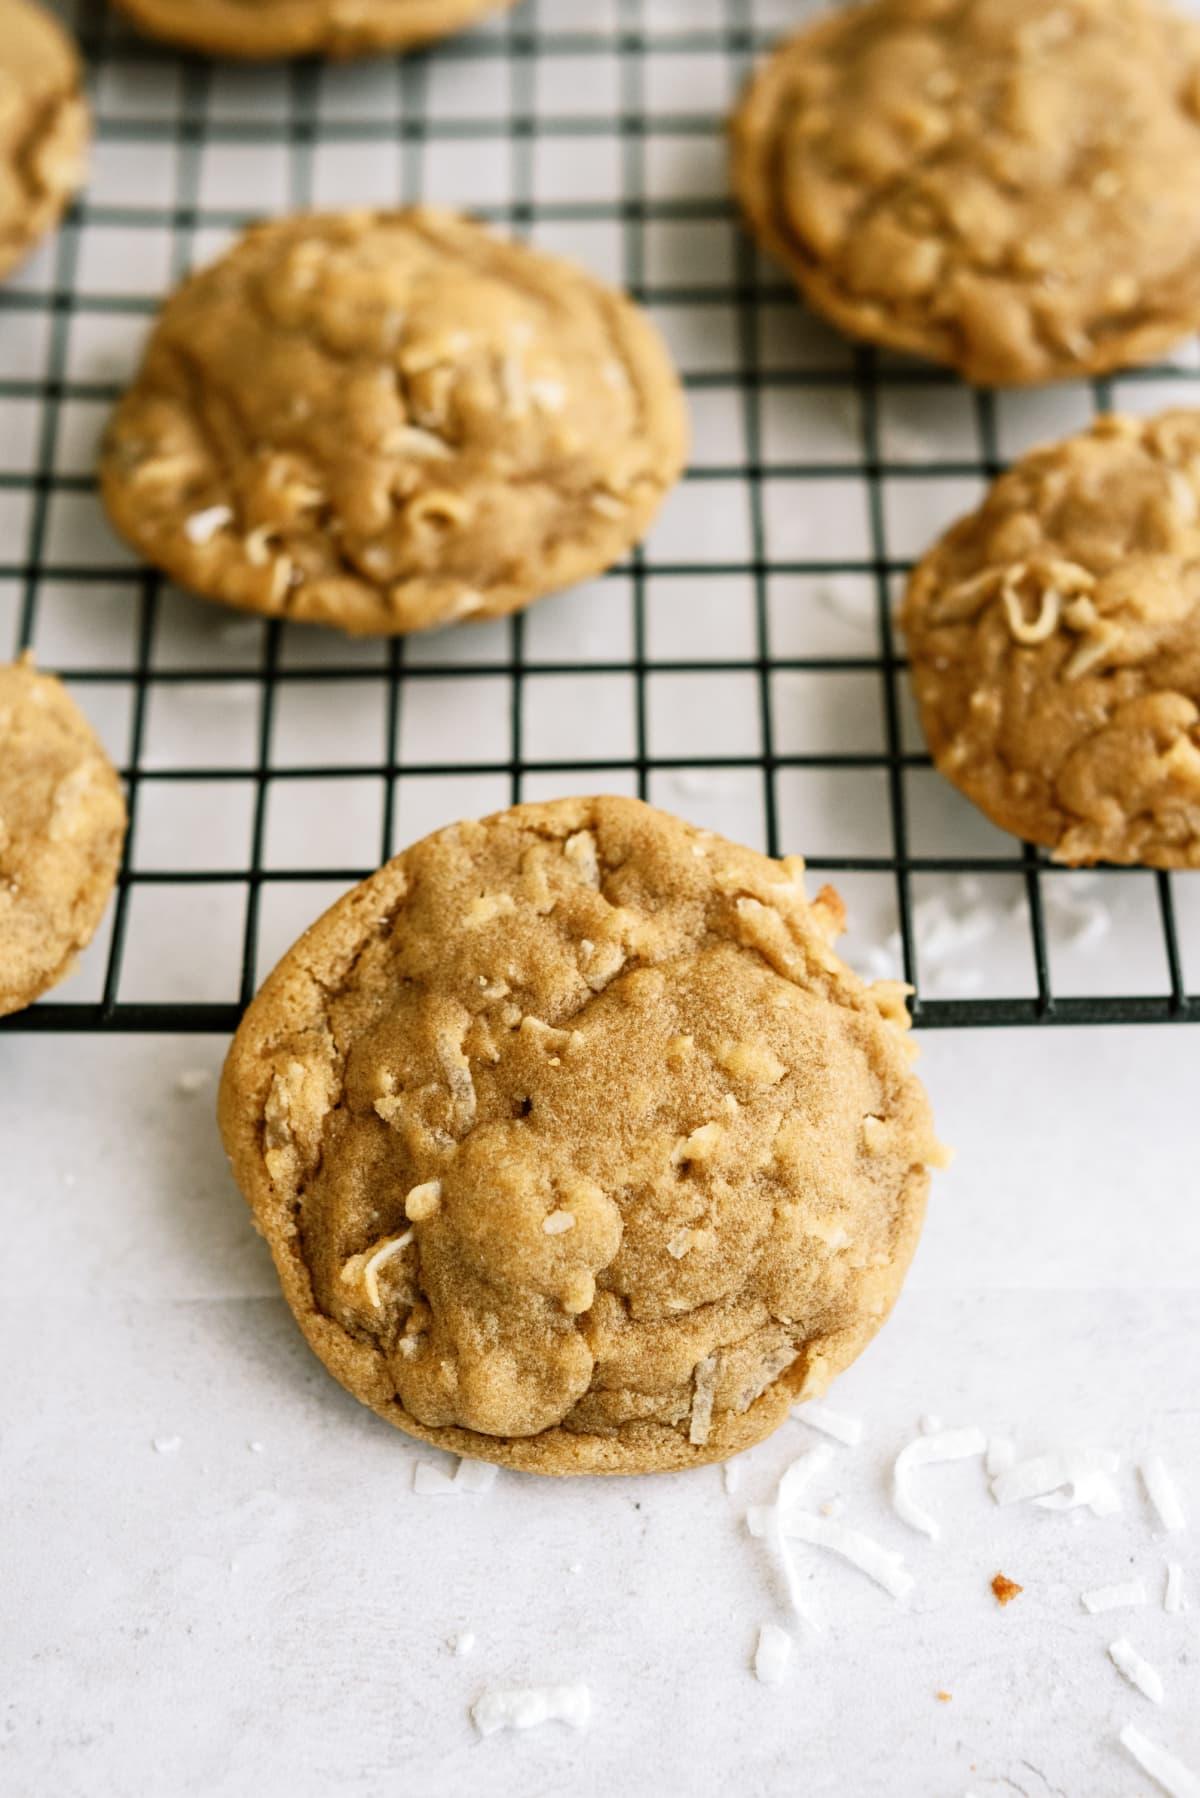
(1006, 186)
(386, 421)
(62, 824)
(576, 1146)
(260, 28)
(43, 127)
(1055, 646)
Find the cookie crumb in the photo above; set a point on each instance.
(943, 1697)
(1005, 1589)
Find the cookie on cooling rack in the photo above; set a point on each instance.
(576, 1145)
(385, 421)
(1055, 646)
(62, 824)
(262, 28)
(1006, 186)
(43, 127)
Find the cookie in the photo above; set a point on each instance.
(43, 127)
(1001, 185)
(385, 421)
(577, 1147)
(260, 28)
(1055, 645)
(62, 824)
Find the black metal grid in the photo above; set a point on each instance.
(401, 125)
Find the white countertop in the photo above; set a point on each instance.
(220, 1619)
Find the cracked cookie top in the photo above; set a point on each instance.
(43, 127)
(1055, 646)
(577, 1146)
(387, 421)
(1002, 185)
(260, 28)
(62, 824)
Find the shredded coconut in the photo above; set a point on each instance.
(1163, 1495)
(1002, 1452)
(524, 1707)
(1173, 1601)
(847, 1430)
(878, 1563)
(1113, 1598)
(463, 1642)
(927, 1451)
(469, 1476)
(431, 1481)
(772, 1655)
(1126, 1659)
(731, 1473)
(704, 1386)
(202, 527)
(167, 1445)
(557, 1222)
(930, 1424)
(1175, 1779)
(1060, 1481)
(765, 1521)
(191, 1081)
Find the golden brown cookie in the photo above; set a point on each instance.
(43, 127)
(1055, 646)
(1002, 185)
(385, 421)
(62, 824)
(576, 1145)
(260, 28)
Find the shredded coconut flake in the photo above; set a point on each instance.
(474, 1476)
(704, 1386)
(1163, 1495)
(1128, 1662)
(524, 1707)
(1001, 1454)
(930, 1424)
(1175, 1779)
(463, 1642)
(167, 1445)
(431, 1481)
(1113, 1598)
(847, 1430)
(772, 1655)
(731, 1473)
(927, 1451)
(1061, 1481)
(1173, 1602)
(191, 1081)
(202, 527)
(870, 1557)
(557, 1222)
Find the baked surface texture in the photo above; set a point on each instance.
(264, 28)
(577, 1147)
(1006, 186)
(1054, 637)
(44, 127)
(389, 421)
(62, 825)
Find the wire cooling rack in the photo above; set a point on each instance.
(740, 669)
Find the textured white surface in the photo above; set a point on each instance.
(219, 1622)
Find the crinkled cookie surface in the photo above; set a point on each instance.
(43, 127)
(1003, 185)
(576, 1145)
(1055, 646)
(385, 421)
(259, 28)
(62, 824)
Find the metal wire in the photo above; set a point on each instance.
(636, 35)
